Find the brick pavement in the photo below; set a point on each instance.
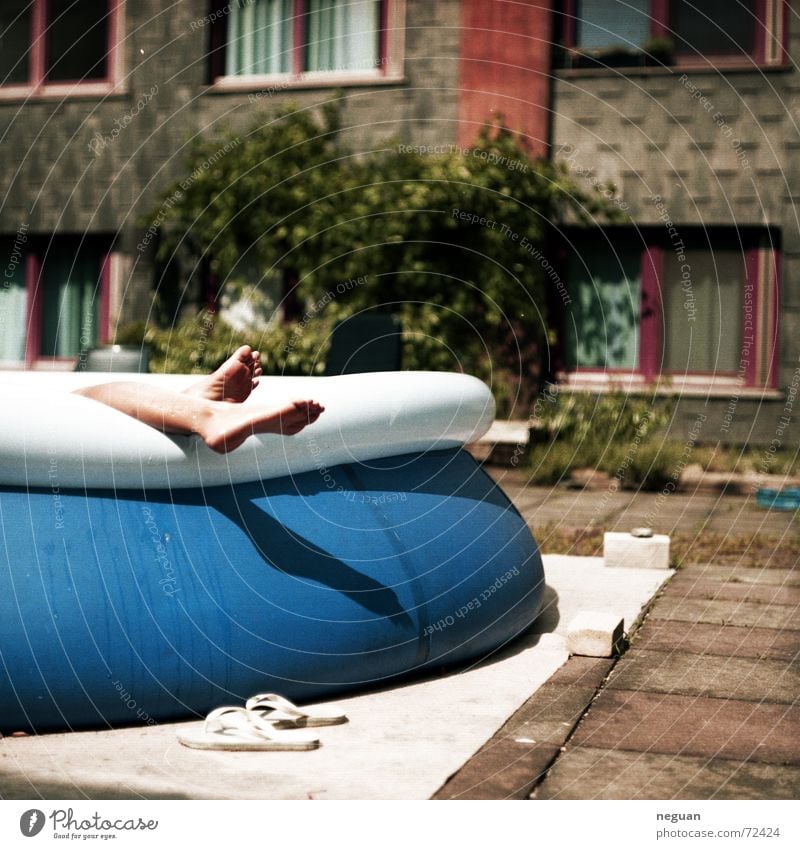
(703, 704)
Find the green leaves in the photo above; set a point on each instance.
(455, 243)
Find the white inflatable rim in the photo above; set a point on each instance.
(54, 438)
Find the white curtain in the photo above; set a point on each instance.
(259, 37)
(13, 311)
(342, 35)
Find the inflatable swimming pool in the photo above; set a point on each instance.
(145, 578)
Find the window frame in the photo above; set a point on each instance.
(771, 16)
(38, 85)
(390, 69)
(35, 257)
(761, 270)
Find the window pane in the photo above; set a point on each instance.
(77, 40)
(612, 23)
(714, 27)
(602, 318)
(342, 35)
(259, 37)
(15, 40)
(71, 295)
(13, 302)
(703, 310)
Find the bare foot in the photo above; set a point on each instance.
(228, 426)
(233, 381)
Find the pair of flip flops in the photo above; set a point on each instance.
(266, 723)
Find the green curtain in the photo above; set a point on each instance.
(602, 318)
(342, 35)
(259, 37)
(70, 299)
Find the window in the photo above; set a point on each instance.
(77, 40)
(259, 37)
(611, 23)
(70, 284)
(15, 40)
(703, 311)
(45, 43)
(603, 323)
(699, 305)
(301, 37)
(641, 32)
(13, 299)
(343, 35)
(715, 27)
(53, 302)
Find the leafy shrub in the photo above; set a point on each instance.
(199, 344)
(655, 463)
(613, 433)
(455, 244)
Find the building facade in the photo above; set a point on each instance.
(689, 110)
(99, 99)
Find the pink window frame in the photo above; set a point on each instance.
(762, 265)
(219, 42)
(38, 84)
(659, 26)
(33, 282)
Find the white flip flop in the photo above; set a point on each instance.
(284, 714)
(235, 729)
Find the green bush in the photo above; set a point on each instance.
(455, 244)
(655, 463)
(199, 344)
(616, 433)
(612, 417)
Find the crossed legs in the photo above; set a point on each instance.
(212, 407)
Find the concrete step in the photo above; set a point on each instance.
(504, 444)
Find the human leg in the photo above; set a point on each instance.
(223, 426)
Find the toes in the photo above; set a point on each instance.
(243, 353)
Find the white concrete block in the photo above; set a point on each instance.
(595, 633)
(640, 552)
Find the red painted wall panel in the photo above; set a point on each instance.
(505, 68)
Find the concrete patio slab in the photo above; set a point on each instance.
(737, 613)
(708, 675)
(691, 725)
(697, 586)
(400, 743)
(724, 640)
(605, 774)
(745, 574)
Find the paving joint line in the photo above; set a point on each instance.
(627, 646)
